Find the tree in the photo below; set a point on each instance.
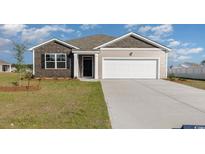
(19, 49)
(203, 62)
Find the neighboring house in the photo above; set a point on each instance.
(101, 57)
(5, 66)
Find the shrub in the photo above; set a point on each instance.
(182, 79)
(15, 83)
(28, 76)
(171, 76)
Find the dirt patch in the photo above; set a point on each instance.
(19, 88)
(55, 79)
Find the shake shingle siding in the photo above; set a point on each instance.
(130, 42)
(52, 47)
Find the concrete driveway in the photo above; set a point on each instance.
(153, 104)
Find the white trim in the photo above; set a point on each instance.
(137, 36)
(75, 65)
(131, 58)
(166, 64)
(85, 52)
(96, 66)
(33, 62)
(158, 71)
(131, 49)
(54, 39)
(83, 66)
(10, 68)
(140, 58)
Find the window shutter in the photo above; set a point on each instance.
(68, 61)
(43, 61)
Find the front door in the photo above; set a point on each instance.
(87, 66)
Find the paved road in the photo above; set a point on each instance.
(153, 104)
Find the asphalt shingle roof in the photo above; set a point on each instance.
(4, 62)
(90, 42)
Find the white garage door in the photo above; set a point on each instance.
(130, 68)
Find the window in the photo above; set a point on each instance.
(50, 60)
(55, 60)
(61, 61)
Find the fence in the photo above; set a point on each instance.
(191, 72)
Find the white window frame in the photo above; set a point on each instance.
(55, 60)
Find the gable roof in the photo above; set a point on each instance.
(90, 42)
(2, 62)
(57, 40)
(136, 36)
(95, 42)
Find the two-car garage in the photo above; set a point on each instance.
(130, 68)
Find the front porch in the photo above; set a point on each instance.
(86, 64)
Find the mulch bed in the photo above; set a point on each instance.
(19, 88)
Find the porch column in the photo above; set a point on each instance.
(76, 65)
(96, 65)
(9, 68)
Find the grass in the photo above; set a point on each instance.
(58, 104)
(190, 82)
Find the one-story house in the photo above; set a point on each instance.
(5, 66)
(130, 56)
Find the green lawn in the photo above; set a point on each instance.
(58, 104)
(194, 83)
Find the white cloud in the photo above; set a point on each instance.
(187, 51)
(11, 29)
(39, 34)
(78, 33)
(173, 43)
(6, 51)
(4, 42)
(182, 54)
(185, 44)
(159, 33)
(156, 31)
(144, 29)
(181, 57)
(131, 27)
(182, 51)
(27, 33)
(162, 29)
(88, 26)
(175, 57)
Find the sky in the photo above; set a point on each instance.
(186, 41)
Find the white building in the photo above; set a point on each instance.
(5, 66)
